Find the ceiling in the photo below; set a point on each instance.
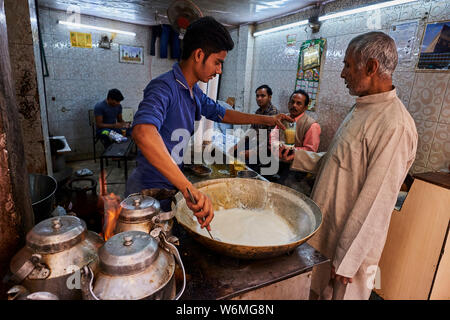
(153, 12)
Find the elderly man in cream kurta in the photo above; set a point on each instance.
(359, 177)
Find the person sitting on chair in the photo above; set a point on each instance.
(307, 137)
(108, 116)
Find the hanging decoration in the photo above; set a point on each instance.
(308, 72)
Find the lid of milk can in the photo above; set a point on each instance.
(56, 234)
(139, 207)
(128, 252)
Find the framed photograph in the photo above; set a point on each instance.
(129, 54)
(435, 48)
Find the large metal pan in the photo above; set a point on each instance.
(297, 209)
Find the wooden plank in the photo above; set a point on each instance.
(295, 288)
(441, 286)
(414, 241)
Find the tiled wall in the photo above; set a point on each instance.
(81, 77)
(425, 95)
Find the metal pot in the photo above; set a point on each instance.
(42, 191)
(299, 211)
(19, 292)
(55, 252)
(142, 213)
(85, 204)
(134, 266)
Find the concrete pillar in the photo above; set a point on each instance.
(198, 135)
(213, 85)
(20, 42)
(245, 67)
(16, 215)
(205, 126)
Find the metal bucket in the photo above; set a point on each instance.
(42, 191)
(299, 211)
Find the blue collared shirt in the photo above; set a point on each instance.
(108, 113)
(168, 105)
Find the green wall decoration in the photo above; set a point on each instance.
(308, 71)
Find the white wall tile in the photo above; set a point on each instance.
(440, 10)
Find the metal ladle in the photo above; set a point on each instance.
(195, 202)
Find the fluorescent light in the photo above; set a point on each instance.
(79, 25)
(337, 15)
(364, 9)
(286, 26)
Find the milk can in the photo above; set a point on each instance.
(134, 265)
(142, 213)
(56, 250)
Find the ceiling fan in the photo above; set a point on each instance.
(181, 13)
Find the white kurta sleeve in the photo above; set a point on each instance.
(307, 161)
(390, 156)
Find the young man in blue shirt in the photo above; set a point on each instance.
(174, 101)
(108, 116)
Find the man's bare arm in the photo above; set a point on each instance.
(236, 117)
(154, 150)
(99, 124)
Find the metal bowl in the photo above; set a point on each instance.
(200, 170)
(247, 174)
(303, 215)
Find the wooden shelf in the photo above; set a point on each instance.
(415, 263)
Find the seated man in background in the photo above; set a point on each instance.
(108, 116)
(264, 101)
(307, 134)
(307, 137)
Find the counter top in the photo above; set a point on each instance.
(441, 179)
(211, 276)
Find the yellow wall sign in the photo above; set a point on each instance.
(80, 40)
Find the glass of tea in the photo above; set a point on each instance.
(290, 133)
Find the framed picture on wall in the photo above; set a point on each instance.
(129, 54)
(435, 48)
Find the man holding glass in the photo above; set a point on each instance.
(303, 134)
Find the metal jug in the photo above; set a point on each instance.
(142, 213)
(134, 265)
(19, 292)
(56, 250)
